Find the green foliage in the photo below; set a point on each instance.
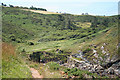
(11, 5)
(50, 32)
(80, 73)
(25, 25)
(53, 65)
(15, 68)
(30, 43)
(34, 8)
(12, 64)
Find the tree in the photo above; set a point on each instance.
(86, 14)
(82, 13)
(11, 5)
(3, 4)
(34, 8)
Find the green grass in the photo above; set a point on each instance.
(12, 65)
(83, 25)
(45, 71)
(80, 73)
(69, 33)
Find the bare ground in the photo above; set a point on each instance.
(35, 73)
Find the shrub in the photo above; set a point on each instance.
(53, 65)
(31, 43)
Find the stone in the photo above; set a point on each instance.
(111, 71)
(95, 66)
(103, 51)
(104, 43)
(73, 65)
(101, 58)
(99, 67)
(96, 55)
(102, 48)
(87, 76)
(94, 51)
(108, 60)
(94, 60)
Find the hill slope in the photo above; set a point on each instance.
(54, 37)
(12, 65)
(43, 12)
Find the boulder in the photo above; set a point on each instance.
(117, 72)
(111, 71)
(99, 67)
(102, 48)
(87, 76)
(103, 51)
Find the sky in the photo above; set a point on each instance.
(93, 7)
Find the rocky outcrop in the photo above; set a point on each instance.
(109, 69)
(110, 64)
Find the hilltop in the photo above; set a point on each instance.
(43, 12)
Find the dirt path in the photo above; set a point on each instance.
(35, 73)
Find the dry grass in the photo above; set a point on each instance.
(8, 50)
(83, 25)
(38, 11)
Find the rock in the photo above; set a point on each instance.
(93, 70)
(44, 64)
(89, 68)
(103, 51)
(94, 51)
(62, 72)
(73, 76)
(96, 55)
(73, 65)
(87, 76)
(99, 67)
(87, 64)
(104, 43)
(102, 48)
(101, 58)
(117, 72)
(116, 66)
(108, 54)
(111, 71)
(95, 60)
(108, 60)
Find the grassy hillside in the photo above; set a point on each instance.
(55, 37)
(24, 25)
(12, 65)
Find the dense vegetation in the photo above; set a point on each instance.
(49, 27)
(33, 8)
(80, 73)
(53, 37)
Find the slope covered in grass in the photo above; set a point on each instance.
(54, 37)
(26, 25)
(12, 65)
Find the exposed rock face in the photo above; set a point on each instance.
(109, 69)
(111, 63)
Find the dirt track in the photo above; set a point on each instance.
(35, 73)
